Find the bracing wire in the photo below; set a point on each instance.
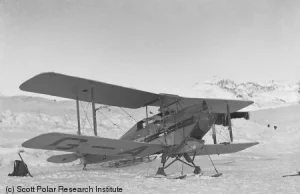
(177, 129)
(219, 132)
(149, 167)
(227, 135)
(227, 138)
(128, 114)
(210, 159)
(87, 118)
(110, 121)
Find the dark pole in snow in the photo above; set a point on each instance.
(25, 164)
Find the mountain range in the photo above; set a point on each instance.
(268, 94)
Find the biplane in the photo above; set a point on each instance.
(176, 132)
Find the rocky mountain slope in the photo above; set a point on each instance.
(264, 94)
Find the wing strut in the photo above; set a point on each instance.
(78, 116)
(94, 112)
(214, 134)
(229, 123)
(147, 115)
(163, 117)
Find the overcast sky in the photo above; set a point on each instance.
(158, 45)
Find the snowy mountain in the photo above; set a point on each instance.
(264, 94)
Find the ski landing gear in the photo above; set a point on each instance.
(188, 161)
(83, 161)
(84, 167)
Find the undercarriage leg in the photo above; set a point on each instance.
(190, 160)
(197, 170)
(83, 160)
(161, 170)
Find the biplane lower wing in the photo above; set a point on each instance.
(92, 145)
(224, 148)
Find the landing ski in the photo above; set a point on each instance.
(297, 174)
(168, 177)
(201, 175)
(184, 176)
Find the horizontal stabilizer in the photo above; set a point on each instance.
(224, 148)
(64, 158)
(92, 145)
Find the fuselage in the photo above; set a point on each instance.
(182, 130)
(190, 121)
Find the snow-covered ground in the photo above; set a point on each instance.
(255, 170)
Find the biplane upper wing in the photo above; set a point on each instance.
(91, 145)
(66, 86)
(211, 149)
(214, 104)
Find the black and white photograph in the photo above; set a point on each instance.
(149, 96)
